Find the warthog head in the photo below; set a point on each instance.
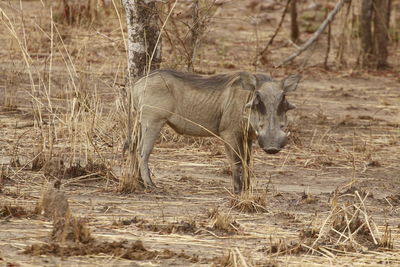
(268, 108)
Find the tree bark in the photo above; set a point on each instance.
(195, 34)
(365, 33)
(294, 33)
(389, 9)
(144, 55)
(143, 31)
(381, 33)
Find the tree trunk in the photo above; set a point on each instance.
(389, 13)
(365, 33)
(143, 32)
(144, 55)
(294, 33)
(374, 44)
(195, 34)
(381, 33)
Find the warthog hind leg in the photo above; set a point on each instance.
(149, 134)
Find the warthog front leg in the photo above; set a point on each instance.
(234, 151)
(150, 131)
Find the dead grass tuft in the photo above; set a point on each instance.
(249, 202)
(348, 228)
(183, 227)
(284, 247)
(233, 258)
(56, 168)
(76, 170)
(8, 211)
(226, 260)
(386, 240)
(223, 222)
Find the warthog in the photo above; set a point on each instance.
(218, 105)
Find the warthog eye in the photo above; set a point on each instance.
(283, 106)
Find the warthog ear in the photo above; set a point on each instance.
(248, 80)
(290, 83)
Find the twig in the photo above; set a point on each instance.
(276, 30)
(241, 256)
(210, 232)
(230, 193)
(313, 250)
(316, 34)
(366, 217)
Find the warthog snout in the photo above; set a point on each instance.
(272, 150)
(277, 144)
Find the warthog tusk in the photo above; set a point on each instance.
(288, 134)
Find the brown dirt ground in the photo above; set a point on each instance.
(346, 128)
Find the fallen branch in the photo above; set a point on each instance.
(317, 33)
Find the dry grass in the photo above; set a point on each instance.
(348, 229)
(9, 211)
(232, 258)
(222, 222)
(81, 13)
(249, 202)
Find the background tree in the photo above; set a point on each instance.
(143, 33)
(374, 33)
(195, 34)
(381, 32)
(366, 32)
(144, 55)
(294, 29)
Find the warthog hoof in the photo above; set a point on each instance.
(151, 186)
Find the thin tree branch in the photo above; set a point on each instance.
(317, 33)
(277, 29)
